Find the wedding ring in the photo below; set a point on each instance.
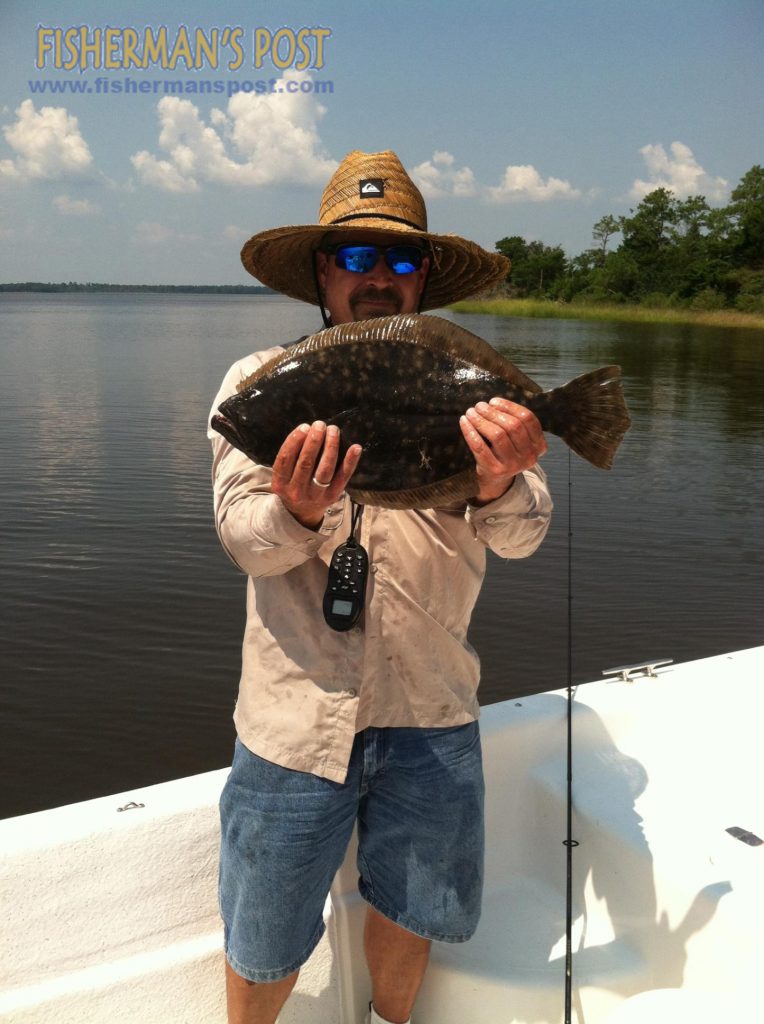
(319, 484)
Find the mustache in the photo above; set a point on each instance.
(387, 294)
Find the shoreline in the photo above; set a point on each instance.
(545, 309)
(71, 287)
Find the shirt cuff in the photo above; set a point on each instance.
(285, 530)
(519, 498)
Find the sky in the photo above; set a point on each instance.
(514, 117)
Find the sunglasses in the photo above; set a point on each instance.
(360, 259)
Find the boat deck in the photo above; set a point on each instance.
(110, 914)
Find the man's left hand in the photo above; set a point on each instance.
(505, 438)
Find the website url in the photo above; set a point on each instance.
(127, 86)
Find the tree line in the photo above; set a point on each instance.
(74, 286)
(672, 252)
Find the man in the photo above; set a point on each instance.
(376, 726)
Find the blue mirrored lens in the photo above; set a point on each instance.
(360, 259)
(403, 259)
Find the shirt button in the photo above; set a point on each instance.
(351, 693)
(490, 519)
(357, 630)
(373, 568)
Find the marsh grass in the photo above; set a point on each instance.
(626, 314)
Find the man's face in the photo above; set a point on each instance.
(349, 296)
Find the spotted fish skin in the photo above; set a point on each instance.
(397, 386)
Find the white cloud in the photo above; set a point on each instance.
(151, 233)
(162, 173)
(47, 144)
(524, 183)
(235, 233)
(274, 136)
(680, 173)
(437, 177)
(75, 207)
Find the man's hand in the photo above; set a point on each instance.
(309, 454)
(505, 439)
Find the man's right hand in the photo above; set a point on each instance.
(309, 454)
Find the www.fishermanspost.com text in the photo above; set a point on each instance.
(128, 86)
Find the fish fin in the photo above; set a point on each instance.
(589, 413)
(248, 381)
(432, 332)
(328, 338)
(452, 490)
(265, 368)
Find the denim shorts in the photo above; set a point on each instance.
(417, 795)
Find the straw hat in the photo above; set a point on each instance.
(371, 191)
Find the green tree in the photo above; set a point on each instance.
(515, 248)
(667, 240)
(747, 210)
(691, 266)
(648, 235)
(618, 278)
(602, 231)
(672, 251)
(536, 268)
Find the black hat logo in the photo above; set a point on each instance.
(371, 188)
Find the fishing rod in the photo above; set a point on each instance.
(569, 842)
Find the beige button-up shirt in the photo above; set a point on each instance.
(305, 690)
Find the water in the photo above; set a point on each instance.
(122, 618)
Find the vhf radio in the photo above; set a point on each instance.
(345, 593)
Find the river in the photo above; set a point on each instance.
(122, 618)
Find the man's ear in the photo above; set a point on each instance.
(322, 261)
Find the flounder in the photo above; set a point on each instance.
(397, 385)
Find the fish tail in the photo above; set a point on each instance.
(589, 413)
